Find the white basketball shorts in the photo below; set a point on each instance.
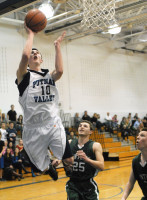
(36, 141)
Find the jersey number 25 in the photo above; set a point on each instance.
(79, 166)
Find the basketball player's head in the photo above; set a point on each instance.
(142, 140)
(35, 59)
(85, 128)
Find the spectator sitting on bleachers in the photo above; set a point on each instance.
(94, 120)
(72, 136)
(124, 129)
(130, 116)
(99, 124)
(114, 122)
(145, 121)
(20, 145)
(11, 147)
(77, 120)
(138, 125)
(136, 116)
(134, 119)
(129, 121)
(3, 131)
(16, 160)
(128, 126)
(108, 123)
(1, 157)
(4, 120)
(5, 147)
(108, 119)
(86, 116)
(145, 117)
(11, 136)
(19, 124)
(9, 172)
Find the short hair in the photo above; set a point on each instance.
(11, 122)
(90, 124)
(36, 50)
(144, 129)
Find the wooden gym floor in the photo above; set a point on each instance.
(111, 183)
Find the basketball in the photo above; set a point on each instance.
(35, 20)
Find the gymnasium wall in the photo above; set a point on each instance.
(96, 78)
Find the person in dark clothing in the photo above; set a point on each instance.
(9, 172)
(88, 159)
(124, 129)
(99, 124)
(136, 116)
(139, 167)
(2, 145)
(94, 120)
(16, 161)
(19, 124)
(11, 136)
(77, 120)
(145, 121)
(86, 116)
(12, 115)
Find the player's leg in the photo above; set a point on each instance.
(72, 192)
(67, 161)
(59, 144)
(35, 142)
(91, 191)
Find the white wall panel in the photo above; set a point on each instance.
(96, 78)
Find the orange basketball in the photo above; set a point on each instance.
(35, 20)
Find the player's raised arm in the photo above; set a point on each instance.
(57, 73)
(22, 70)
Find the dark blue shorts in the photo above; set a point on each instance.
(2, 162)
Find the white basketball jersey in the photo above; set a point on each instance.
(39, 98)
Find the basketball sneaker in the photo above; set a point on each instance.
(52, 172)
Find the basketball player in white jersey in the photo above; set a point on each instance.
(38, 97)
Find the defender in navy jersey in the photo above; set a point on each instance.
(39, 98)
(139, 167)
(88, 160)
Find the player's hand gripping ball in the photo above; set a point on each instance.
(35, 20)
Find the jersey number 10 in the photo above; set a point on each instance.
(45, 90)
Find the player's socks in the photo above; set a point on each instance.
(52, 172)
